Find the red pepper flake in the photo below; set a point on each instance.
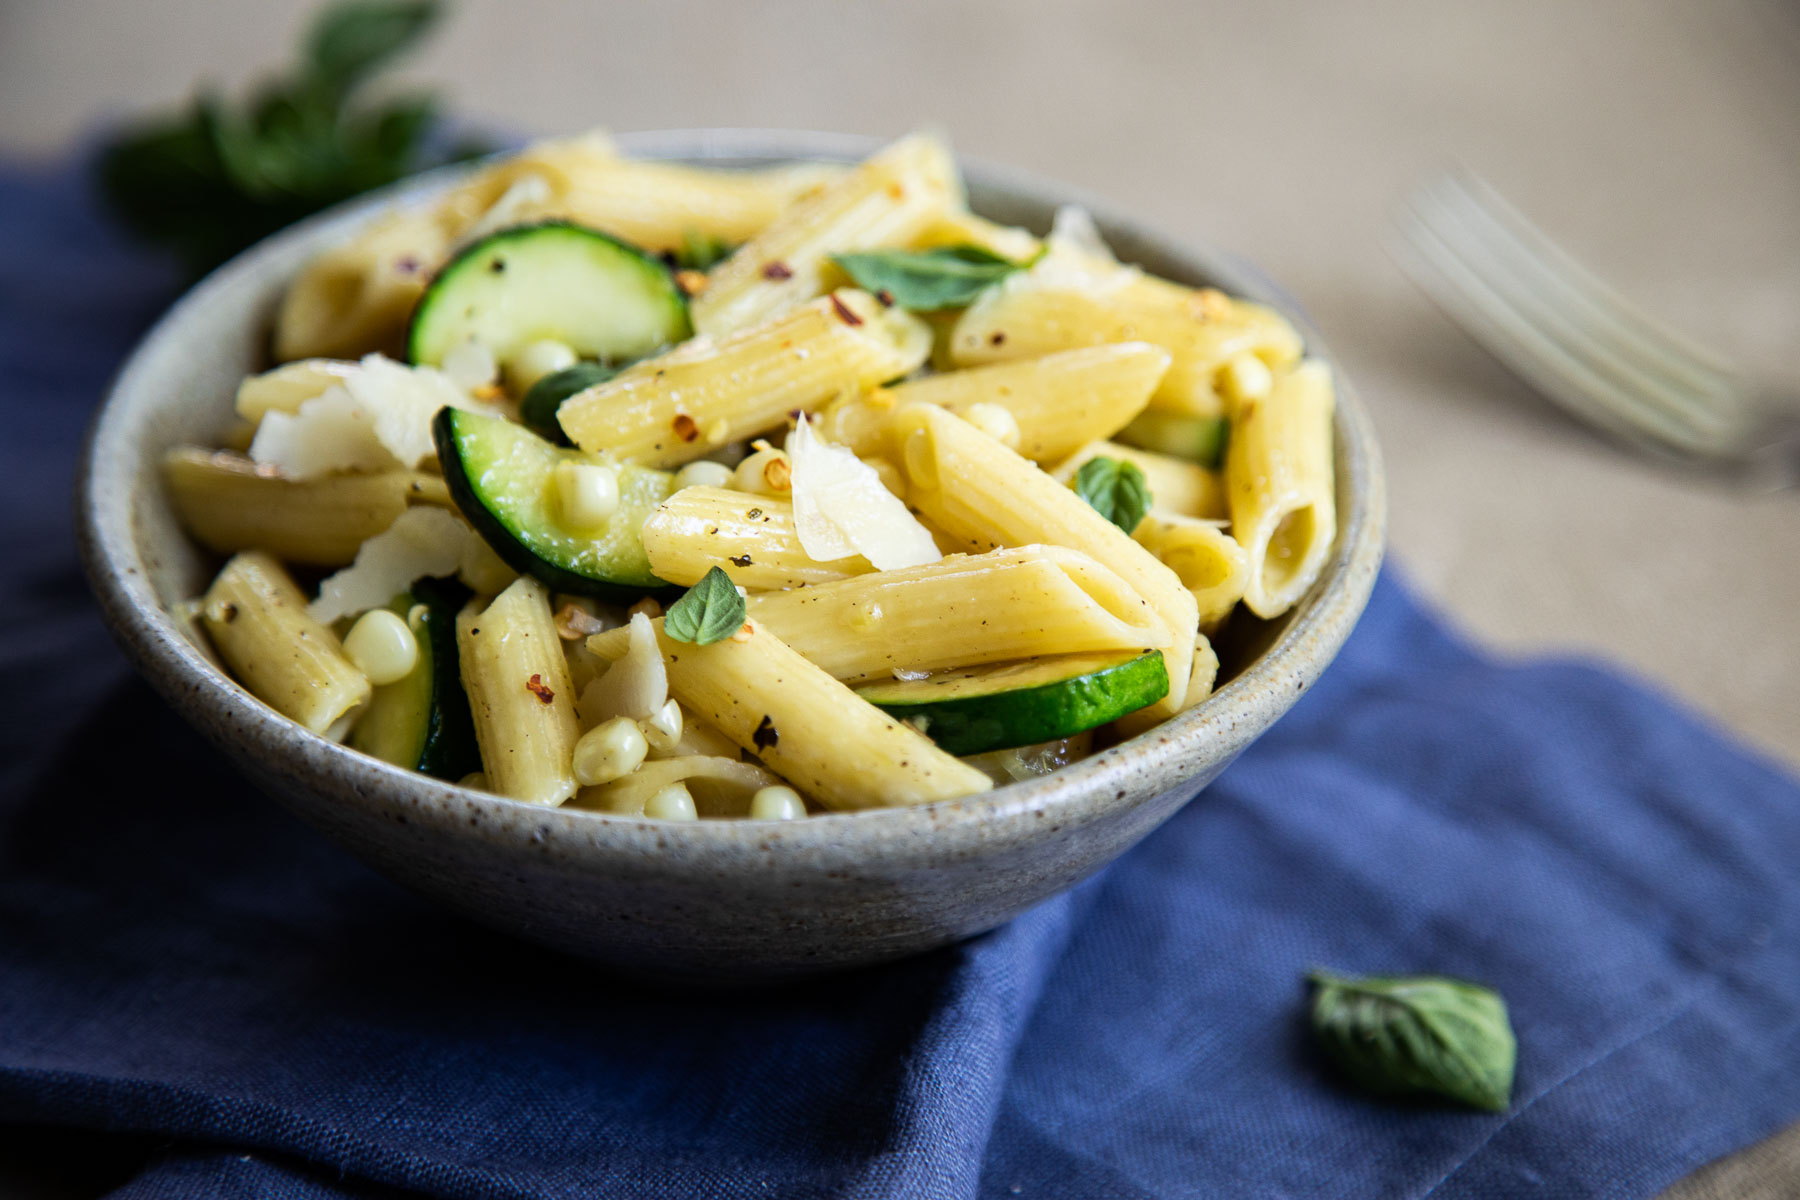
(537, 687)
(685, 429)
(886, 297)
(742, 560)
(843, 310)
(692, 283)
(228, 612)
(998, 338)
(407, 265)
(776, 269)
(766, 734)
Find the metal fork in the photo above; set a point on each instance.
(1578, 343)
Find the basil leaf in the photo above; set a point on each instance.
(1115, 489)
(1419, 1034)
(928, 280)
(708, 612)
(349, 41)
(210, 181)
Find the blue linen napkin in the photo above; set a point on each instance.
(179, 957)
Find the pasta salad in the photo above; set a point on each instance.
(676, 492)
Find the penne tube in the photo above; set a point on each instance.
(751, 538)
(721, 786)
(976, 489)
(520, 694)
(1060, 401)
(676, 407)
(961, 611)
(887, 200)
(1204, 331)
(1209, 561)
(256, 619)
(807, 727)
(228, 505)
(357, 297)
(290, 385)
(960, 227)
(1177, 487)
(1278, 477)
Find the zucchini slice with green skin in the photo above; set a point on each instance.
(1198, 439)
(604, 298)
(1022, 703)
(422, 722)
(545, 397)
(500, 477)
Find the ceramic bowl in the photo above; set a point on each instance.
(720, 900)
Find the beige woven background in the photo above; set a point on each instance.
(1659, 140)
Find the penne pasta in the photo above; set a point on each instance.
(751, 538)
(520, 694)
(228, 504)
(887, 200)
(1204, 331)
(807, 727)
(960, 227)
(290, 385)
(976, 489)
(256, 618)
(1209, 562)
(679, 406)
(1178, 487)
(1278, 476)
(1060, 401)
(958, 612)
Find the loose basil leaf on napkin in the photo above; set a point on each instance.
(212, 181)
(927, 280)
(708, 612)
(1418, 1034)
(1115, 489)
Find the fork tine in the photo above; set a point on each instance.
(1468, 296)
(1588, 305)
(1701, 414)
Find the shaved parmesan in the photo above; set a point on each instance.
(636, 686)
(421, 541)
(1076, 258)
(841, 508)
(377, 415)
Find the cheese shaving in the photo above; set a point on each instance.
(841, 508)
(636, 686)
(421, 541)
(376, 417)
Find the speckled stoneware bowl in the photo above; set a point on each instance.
(721, 900)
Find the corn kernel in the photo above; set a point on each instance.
(777, 803)
(610, 750)
(546, 356)
(662, 729)
(672, 803)
(995, 421)
(587, 493)
(703, 474)
(382, 647)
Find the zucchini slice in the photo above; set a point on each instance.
(602, 297)
(500, 476)
(1021, 703)
(1198, 439)
(422, 722)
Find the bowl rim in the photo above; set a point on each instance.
(1120, 776)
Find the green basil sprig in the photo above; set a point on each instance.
(1115, 489)
(927, 280)
(1418, 1034)
(708, 612)
(212, 181)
